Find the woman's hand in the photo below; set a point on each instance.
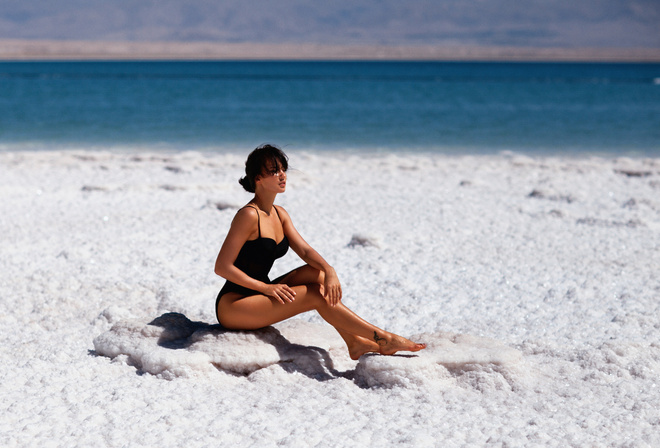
(280, 292)
(332, 287)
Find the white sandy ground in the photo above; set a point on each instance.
(535, 283)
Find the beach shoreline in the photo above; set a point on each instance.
(44, 50)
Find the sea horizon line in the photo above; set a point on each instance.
(72, 50)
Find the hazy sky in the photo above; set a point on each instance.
(562, 23)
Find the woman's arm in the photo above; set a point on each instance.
(332, 286)
(242, 228)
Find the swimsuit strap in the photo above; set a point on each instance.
(258, 219)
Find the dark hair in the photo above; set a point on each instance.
(257, 163)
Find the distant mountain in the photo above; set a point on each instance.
(543, 23)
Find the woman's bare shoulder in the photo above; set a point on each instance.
(283, 213)
(246, 216)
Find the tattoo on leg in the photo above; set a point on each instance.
(380, 341)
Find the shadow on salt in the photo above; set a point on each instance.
(173, 346)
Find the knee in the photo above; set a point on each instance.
(320, 276)
(314, 275)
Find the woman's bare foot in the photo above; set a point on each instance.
(359, 346)
(392, 343)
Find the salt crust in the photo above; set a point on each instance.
(448, 360)
(173, 346)
(551, 259)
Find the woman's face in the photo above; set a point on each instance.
(273, 177)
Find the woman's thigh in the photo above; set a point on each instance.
(258, 311)
(304, 275)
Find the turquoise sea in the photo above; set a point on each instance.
(452, 107)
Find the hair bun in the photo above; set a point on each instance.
(245, 183)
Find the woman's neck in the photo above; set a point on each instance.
(264, 202)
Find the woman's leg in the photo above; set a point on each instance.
(357, 345)
(259, 311)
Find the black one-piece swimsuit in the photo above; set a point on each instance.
(255, 258)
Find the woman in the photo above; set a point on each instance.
(262, 232)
